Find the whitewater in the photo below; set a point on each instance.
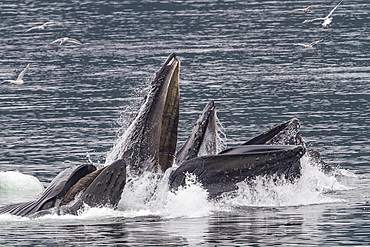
(149, 195)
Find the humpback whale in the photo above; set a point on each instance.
(274, 152)
(150, 143)
(220, 172)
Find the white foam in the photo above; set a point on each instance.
(86, 213)
(188, 201)
(139, 193)
(346, 173)
(313, 187)
(8, 219)
(149, 195)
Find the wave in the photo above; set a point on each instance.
(16, 182)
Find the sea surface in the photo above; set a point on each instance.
(78, 99)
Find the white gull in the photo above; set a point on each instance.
(19, 80)
(327, 20)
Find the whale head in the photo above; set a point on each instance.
(149, 143)
(203, 138)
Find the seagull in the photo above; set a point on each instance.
(19, 80)
(309, 45)
(66, 39)
(306, 10)
(41, 27)
(327, 20)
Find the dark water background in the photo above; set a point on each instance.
(76, 99)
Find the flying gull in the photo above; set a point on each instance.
(66, 39)
(41, 27)
(306, 10)
(327, 20)
(19, 80)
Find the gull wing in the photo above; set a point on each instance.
(295, 10)
(331, 12)
(5, 81)
(57, 40)
(315, 42)
(316, 19)
(32, 28)
(47, 23)
(74, 41)
(313, 6)
(20, 77)
(299, 44)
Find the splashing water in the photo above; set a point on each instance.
(128, 128)
(139, 192)
(221, 136)
(150, 195)
(311, 188)
(189, 200)
(118, 148)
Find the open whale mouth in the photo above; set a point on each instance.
(170, 116)
(150, 141)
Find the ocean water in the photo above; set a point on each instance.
(77, 100)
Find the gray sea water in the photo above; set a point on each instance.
(76, 101)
